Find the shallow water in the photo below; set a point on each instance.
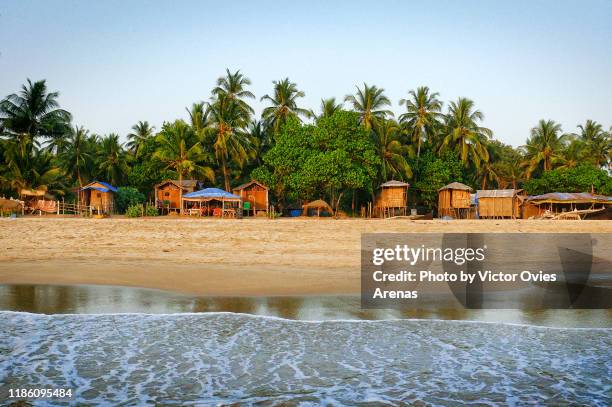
(223, 358)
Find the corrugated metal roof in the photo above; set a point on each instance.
(497, 193)
(211, 193)
(394, 183)
(456, 185)
(248, 184)
(574, 197)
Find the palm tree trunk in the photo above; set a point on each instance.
(225, 173)
(180, 193)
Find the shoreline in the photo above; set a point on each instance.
(213, 257)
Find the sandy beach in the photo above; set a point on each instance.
(250, 257)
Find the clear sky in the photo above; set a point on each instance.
(117, 62)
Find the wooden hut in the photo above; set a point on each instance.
(254, 198)
(99, 195)
(500, 203)
(319, 205)
(168, 196)
(454, 201)
(391, 199)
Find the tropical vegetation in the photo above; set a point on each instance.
(341, 153)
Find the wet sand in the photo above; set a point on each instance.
(250, 257)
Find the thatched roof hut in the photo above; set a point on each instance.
(392, 198)
(454, 201)
(500, 203)
(320, 206)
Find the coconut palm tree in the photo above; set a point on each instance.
(76, 159)
(423, 115)
(370, 103)
(34, 112)
(231, 140)
(181, 151)
(463, 134)
(392, 153)
(233, 86)
(329, 107)
(596, 142)
(112, 159)
(544, 147)
(141, 133)
(284, 104)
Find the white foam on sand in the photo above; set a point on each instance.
(215, 358)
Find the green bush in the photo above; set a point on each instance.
(128, 196)
(134, 211)
(151, 211)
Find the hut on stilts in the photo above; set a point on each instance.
(254, 198)
(168, 194)
(391, 199)
(454, 200)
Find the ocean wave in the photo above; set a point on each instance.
(222, 358)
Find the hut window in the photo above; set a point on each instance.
(166, 193)
(99, 195)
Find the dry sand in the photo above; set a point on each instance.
(253, 257)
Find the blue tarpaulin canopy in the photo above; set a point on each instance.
(207, 194)
(104, 188)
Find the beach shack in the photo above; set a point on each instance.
(99, 196)
(567, 205)
(391, 199)
(212, 202)
(454, 200)
(500, 203)
(319, 206)
(254, 197)
(168, 193)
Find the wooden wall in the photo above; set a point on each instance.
(498, 207)
(454, 202)
(169, 192)
(254, 193)
(392, 197)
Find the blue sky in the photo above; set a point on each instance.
(117, 62)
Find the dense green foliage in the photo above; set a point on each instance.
(128, 196)
(338, 155)
(582, 178)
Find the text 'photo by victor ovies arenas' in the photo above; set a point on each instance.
(305, 204)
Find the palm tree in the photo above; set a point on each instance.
(329, 107)
(597, 143)
(261, 139)
(198, 117)
(391, 151)
(284, 104)
(233, 86)
(111, 159)
(463, 134)
(230, 138)
(77, 157)
(180, 150)
(370, 103)
(544, 147)
(34, 112)
(141, 133)
(423, 115)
